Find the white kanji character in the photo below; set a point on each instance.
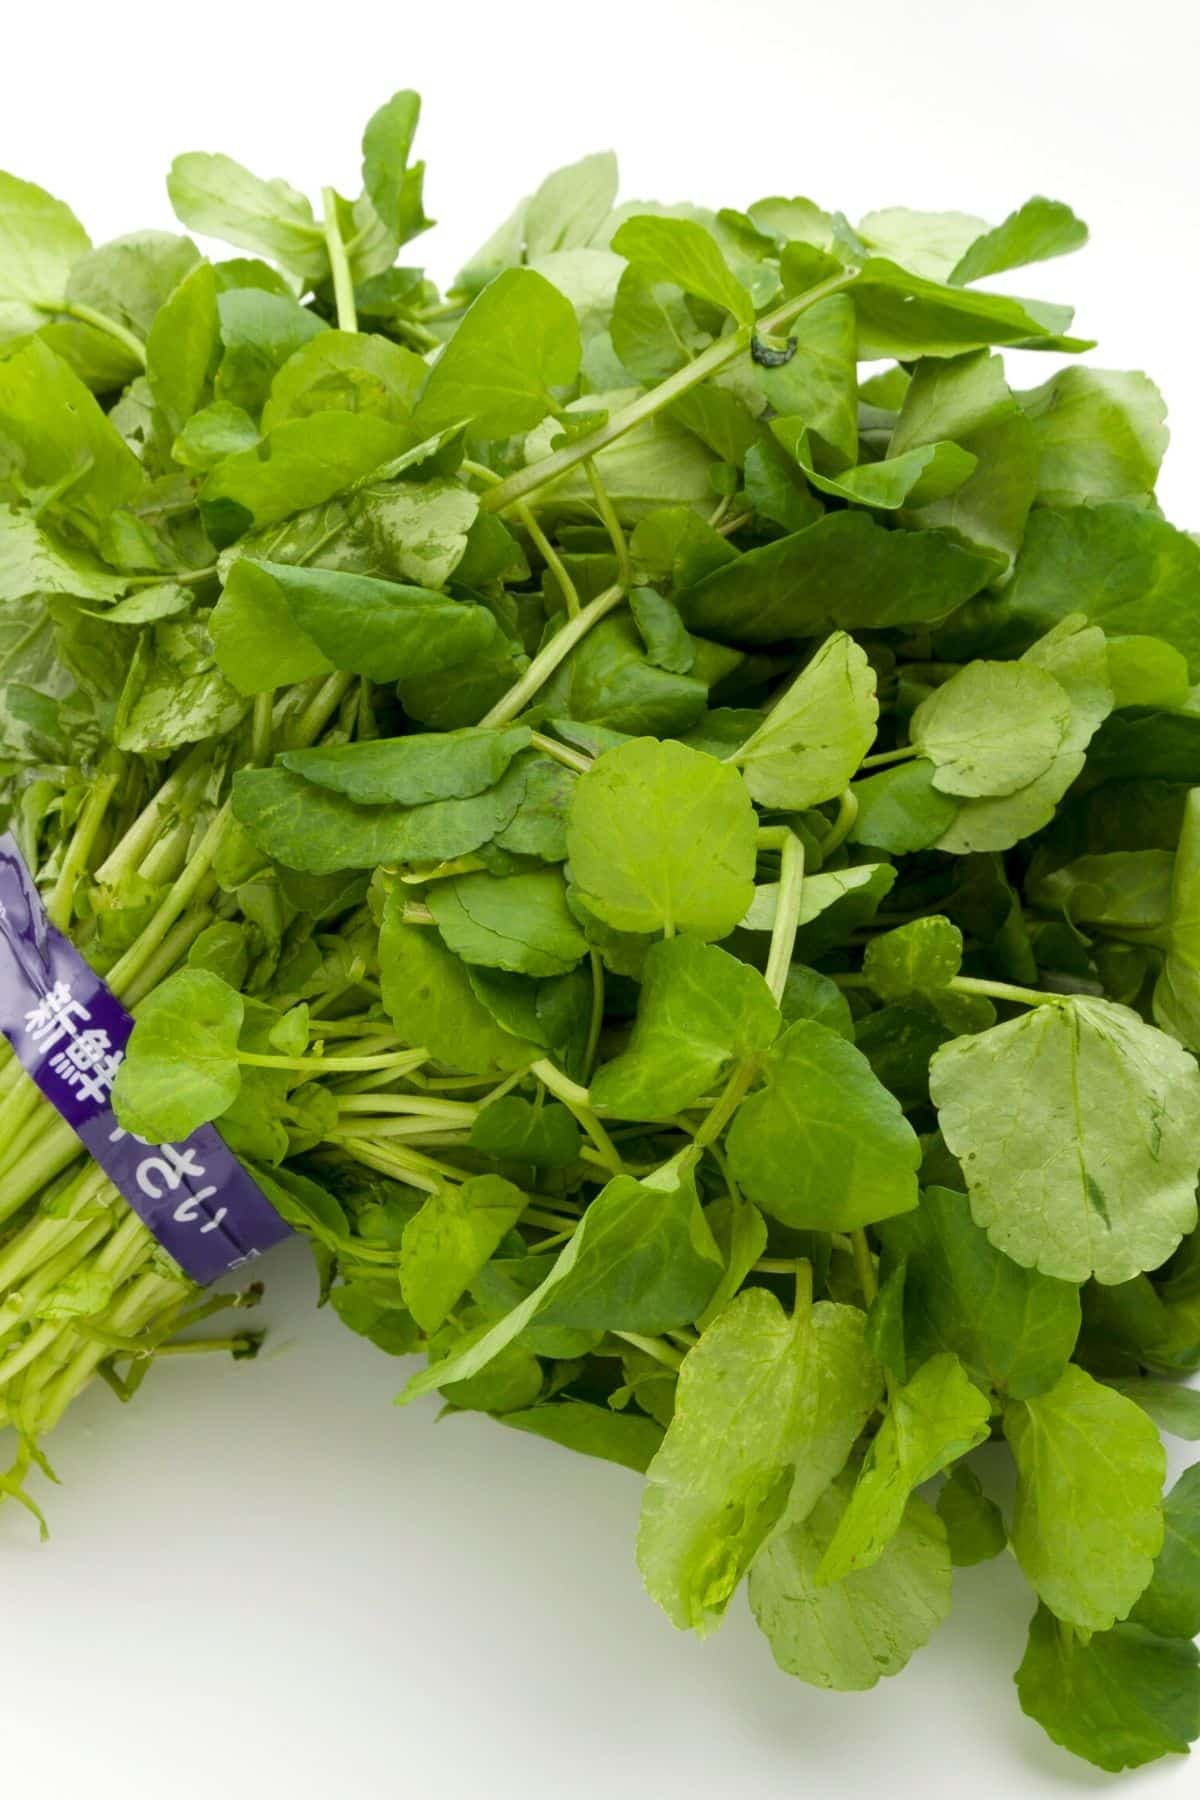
(188, 1210)
(214, 1224)
(89, 1063)
(172, 1163)
(54, 1016)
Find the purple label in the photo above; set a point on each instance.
(70, 1033)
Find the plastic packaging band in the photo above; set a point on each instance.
(69, 1033)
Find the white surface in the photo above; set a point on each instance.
(263, 1579)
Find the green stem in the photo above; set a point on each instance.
(864, 1267)
(1003, 990)
(178, 898)
(570, 759)
(718, 356)
(550, 557)
(596, 1018)
(551, 655)
(87, 315)
(261, 729)
(339, 267)
(787, 914)
(884, 757)
(336, 1065)
(842, 825)
(61, 904)
(652, 1346)
(612, 524)
(576, 1099)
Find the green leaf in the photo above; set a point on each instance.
(1035, 232)
(845, 569)
(411, 771)
(53, 432)
(900, 809)
(320, 832)
(212, 434)
(184, 348)
(130, 278)
(430, 1001)
(449, 1240)
(1100, 436)
(346, 371)
(974, 1524)
(928, 243)
(623, 1438)
(641, 1260)
(1174, 1409)
(571, 205)
(823, 1146)
(300, 464)
(516, 1130)
(217, 196)
(913, 478)
(1078, 1129)
(932, 1421)
(850, 1635)
(818, 385)
(807, 994)
(767, 1407)
(35, 560)
(275, 624)
(180, 1069)
(992, 728)
(1013, 1329)
(40, 240)
(1143, 671)
(700, 1009)
(663, 838)
(903, 316)
(1177, 990)
(1126, 570)
(814, 737)
(517, 922)
(653, 331)
(966, 398)
(924, 954)
(392, 184)
(1076, 657)
(1089, 1518)
(683, 252)
(1170, 1606)
(519, 340)
(1119, 1699)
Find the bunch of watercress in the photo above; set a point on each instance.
(677, 865)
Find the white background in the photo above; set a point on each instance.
(263, 1579)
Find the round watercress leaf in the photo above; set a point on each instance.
(900, 809)
(766, 1412)
(927, 953)
(515, 1130)
(849, 1635)
(515, 922)
(1170, 1606)
(1119, 1699)
(663, 838)
(992, 728)
(699, 1009)
(180, 1069)
(814, 737)
(974, 1524)
(1088, 1523)
(449, 1240)
(518, 340)
(430, 1001)
(932, 1421)
(1077, 1127)
(823, 1146)
(413, 770)
(1013, 1328)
